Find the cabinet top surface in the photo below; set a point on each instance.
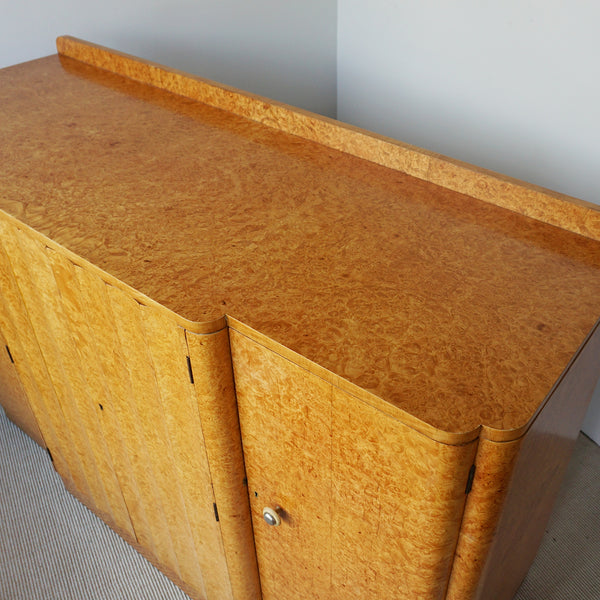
(459, 312)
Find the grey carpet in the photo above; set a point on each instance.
(52, 547)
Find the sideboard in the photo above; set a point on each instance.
(283, 357)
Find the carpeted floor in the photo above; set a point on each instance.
(53, 548)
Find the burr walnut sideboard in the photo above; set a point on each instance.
(213, 304)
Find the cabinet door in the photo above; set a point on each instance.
(369, 508)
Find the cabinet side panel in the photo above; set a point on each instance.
(210, 359)
(370, 508)
(494, 465)
(12, 395)
(538, 472)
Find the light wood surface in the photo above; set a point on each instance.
(514, 488)
(532, 201)
(13, 398)
(95, 389)
(109, 383)
(445, 307)
(176, 255)
(30, 364)
(192, 450)
(537, 476)
(370, 507)
(494, 464)
(210, 359)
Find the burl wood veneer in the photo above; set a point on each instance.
(13, 398)
(212, 303)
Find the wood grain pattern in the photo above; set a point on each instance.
(494, 465)
(13, 399)
(93, 393)
(515, 486)
(112, 390)
(42, 300)
(28, 362)
(285, 418)
(210, 359)
(168, 348)
(141, 415)
(390, 324)
(426, 299)
(371, 508)
(79, 428)
(102, 339)
(399, 499)
(543, 458)
(153, 411)
(19, 330)
(533, 201)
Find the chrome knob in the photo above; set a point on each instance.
(271, 516)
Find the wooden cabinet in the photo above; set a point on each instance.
(214, 304)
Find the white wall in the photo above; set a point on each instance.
(282, 50)
(513, 86)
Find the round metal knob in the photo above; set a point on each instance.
(271, 516)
